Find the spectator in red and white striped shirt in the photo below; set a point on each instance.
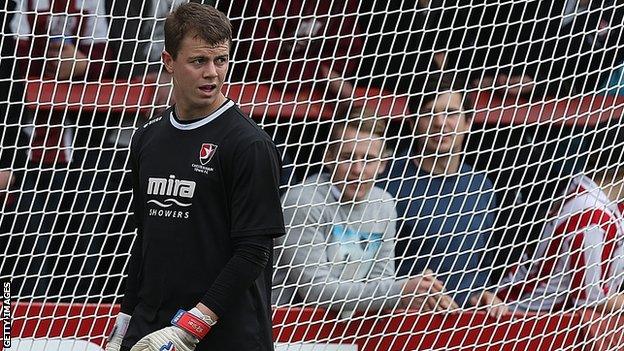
(579, 261)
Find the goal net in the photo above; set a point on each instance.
(451, 170)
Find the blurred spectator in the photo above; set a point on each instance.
(528, 164)
(528, 48)
(137, 35)
(11, 108)
(480, 42)
(57, 40)
(62, 39)
(298, 46)
(339, 249)
(446, 209)
(576, 44)
(392, 56)
(578, 261)
(12, 148)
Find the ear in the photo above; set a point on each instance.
(382, 166)
(411, 124)
(167, 60)
(329, 159)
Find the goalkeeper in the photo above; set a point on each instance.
(206, 205)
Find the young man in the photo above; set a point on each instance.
(446, 209)
(206, 204)
(339, 249)
(579, 261)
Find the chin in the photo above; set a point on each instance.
(439, 149)
(362, 195)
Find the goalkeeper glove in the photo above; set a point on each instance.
(119, 331)
(188, 329)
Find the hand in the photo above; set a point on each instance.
(515, 85)
(65, 61)
(496, 308)
(338, 86)
(504, 85)
(119, 331)
(187, 330)
(614, 304)
(441, 302)
(426, 293)
(167, 339)
(434, 303)
(6, 180)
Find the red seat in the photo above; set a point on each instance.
(400, 331)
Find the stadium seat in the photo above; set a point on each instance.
(30, 344)
(84, 327)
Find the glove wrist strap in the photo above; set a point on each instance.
(191, 324)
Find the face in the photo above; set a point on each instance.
(355, 163)
(443, 128)
(198, 73)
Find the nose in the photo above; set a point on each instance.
(357, 166)
(210, 70)
(438, 121)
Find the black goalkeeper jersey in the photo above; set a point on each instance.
(196, 186)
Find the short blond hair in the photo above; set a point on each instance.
(359, 118)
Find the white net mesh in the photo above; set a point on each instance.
(494, 191)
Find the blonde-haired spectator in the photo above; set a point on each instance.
(338, 252)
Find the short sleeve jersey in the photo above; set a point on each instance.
(197, 186)
(578, 261)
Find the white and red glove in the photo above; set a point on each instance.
(187, 330)
(119, 331)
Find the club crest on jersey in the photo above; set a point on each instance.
(207, 151)
(168, 347)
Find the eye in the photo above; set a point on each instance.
(372, 158)
(198, 60)
(344, 157)
(221, 60)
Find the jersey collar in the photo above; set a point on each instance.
(203, 121)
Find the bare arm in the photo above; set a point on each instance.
(614, 304)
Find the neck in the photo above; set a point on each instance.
(186, 112)
(439, 164)
(611, 184)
